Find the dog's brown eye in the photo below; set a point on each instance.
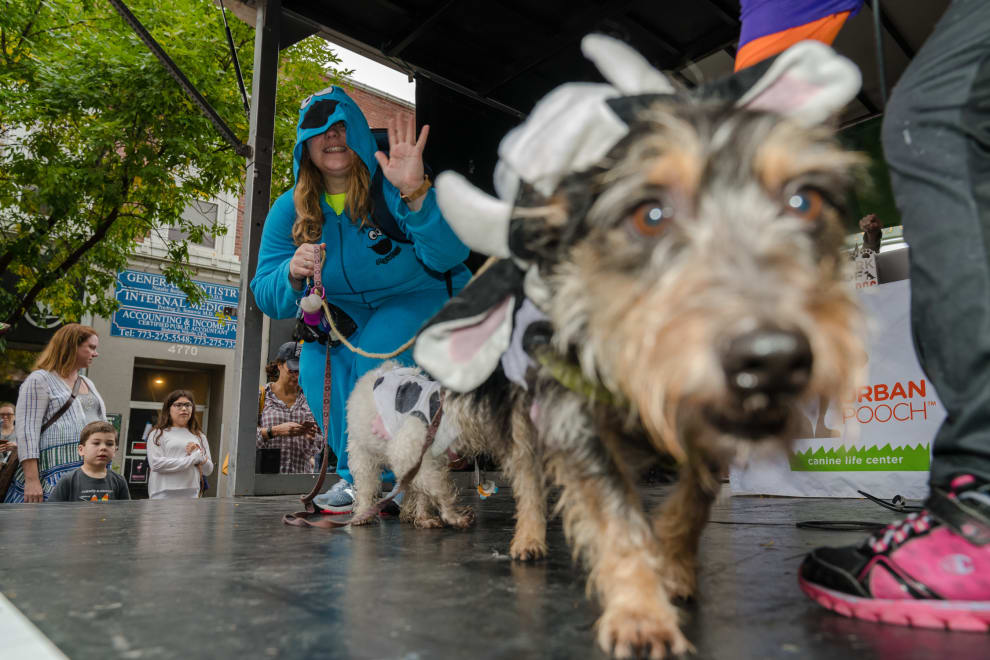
(806, 203)
(651, 218)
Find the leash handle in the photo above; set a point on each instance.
(318, 268)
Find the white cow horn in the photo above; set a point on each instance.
(623, 67)
(478, 219)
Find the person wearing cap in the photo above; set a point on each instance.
(388, 287)
(286, 422)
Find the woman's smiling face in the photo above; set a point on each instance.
(329, 151)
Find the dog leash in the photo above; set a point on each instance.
(897, 504)
(356, 349)
(302, 518)
(299, 519)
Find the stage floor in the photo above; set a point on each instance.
(226, 579)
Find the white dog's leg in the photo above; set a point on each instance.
(365, 449)
(403, 454)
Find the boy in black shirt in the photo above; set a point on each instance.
(93, 482)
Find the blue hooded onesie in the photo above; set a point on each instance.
(390, 289)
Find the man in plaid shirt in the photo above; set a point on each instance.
(286, 422)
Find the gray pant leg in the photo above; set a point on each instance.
(936, 137)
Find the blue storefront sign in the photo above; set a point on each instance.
(153, 309)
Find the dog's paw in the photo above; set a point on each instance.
(461, 518)
(679, 579)
(627, 633)
(528, 549)
(427, 522)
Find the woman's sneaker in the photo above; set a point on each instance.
(931, 569)
(337, 500)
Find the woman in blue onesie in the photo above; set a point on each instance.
(388, 288)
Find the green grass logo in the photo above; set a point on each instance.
(866, 459)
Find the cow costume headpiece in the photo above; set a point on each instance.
(570, 130)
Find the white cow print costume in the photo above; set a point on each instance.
(407, 391)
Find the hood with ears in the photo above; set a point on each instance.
(570, 130)
(323, 109)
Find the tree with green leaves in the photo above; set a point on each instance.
(99, 147)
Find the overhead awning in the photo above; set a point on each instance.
(509, 53)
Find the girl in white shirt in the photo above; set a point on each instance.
(177, 450)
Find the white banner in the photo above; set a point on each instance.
(880, 442)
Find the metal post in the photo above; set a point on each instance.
(248, 354)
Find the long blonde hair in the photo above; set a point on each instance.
(308, 227)
(60, 353)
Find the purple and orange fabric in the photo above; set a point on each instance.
(771, 26)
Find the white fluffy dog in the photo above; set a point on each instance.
(388, 414)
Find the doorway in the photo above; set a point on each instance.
(150, 385)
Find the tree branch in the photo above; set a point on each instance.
(63, 268)
(27, 28)
(7, 257)
(59, 27)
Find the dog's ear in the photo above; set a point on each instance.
(462, 345)
(809, 82)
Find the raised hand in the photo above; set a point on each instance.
(403, 166)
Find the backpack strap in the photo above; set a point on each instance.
(386, 222)
(380, 214)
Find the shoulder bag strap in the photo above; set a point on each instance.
(261, 402)
(65, 407)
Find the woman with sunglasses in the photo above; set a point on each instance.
(178, 452)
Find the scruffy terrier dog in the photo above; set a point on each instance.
(388, 414)
(685, 250)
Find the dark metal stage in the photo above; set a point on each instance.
(226, 579)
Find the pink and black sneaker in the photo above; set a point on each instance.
(930, 570)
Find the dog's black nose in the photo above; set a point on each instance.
(769, 361)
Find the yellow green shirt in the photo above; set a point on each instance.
(336, 201)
